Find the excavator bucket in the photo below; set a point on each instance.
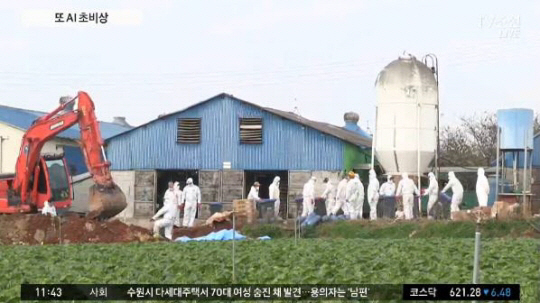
(105, 202)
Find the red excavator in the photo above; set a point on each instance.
(39, 178)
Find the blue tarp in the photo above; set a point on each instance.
(222, 235)
(333, 218)
(311, 220)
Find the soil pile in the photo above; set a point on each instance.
(38, 229)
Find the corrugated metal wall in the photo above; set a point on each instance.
(286, 144)
(536, 152)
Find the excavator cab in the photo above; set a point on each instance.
(53, 183)
(49, 182)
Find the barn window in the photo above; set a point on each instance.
(188, 131)
(250, 131)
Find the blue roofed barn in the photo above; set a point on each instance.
(226, 144)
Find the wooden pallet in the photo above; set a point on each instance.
(245, 210)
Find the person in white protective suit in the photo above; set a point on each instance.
(178, 201)
(170, 195)
(48, 209)
(433, 193)
(482, 188)
(329, 195)
(373, 194)
(192, 200)
(457, 193)
(388, 191)
(254, 192)
(355, 196)
(388, 188)
(273, 192)
(341, 197)
(407, 189)
(308, 195)
(169, 211)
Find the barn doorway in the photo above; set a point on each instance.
(265, 178)
(164, 176)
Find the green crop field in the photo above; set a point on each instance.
(275, 261)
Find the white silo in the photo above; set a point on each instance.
(406, 135)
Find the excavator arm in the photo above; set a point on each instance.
(106, 198)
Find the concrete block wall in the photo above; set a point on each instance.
(126, 181)
(210, 184)
(81, 194)
(233, 185)
(145, 194)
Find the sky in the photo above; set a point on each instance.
(321, 57)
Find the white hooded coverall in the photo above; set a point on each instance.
(48, 209)
(407, 189)
(329, 195)
(309, 195)
(341, 197)
(179, 200)
(355, 197)
(388, 188)
(373, 194)
(273, 192)
(457, 192)
(432, 192)
(169, 211)
(170, 197)
(192, 199)
(482, 188)
(253, 194)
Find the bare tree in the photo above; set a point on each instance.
(472, 142)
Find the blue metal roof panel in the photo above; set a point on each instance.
(338, 132)
(23, 118)
(286, 145)
(111, 129)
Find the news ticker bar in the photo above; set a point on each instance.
(229, 292)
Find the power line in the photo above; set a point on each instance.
(203, 81)
(189, 74)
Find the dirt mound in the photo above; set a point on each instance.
(39, 229)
